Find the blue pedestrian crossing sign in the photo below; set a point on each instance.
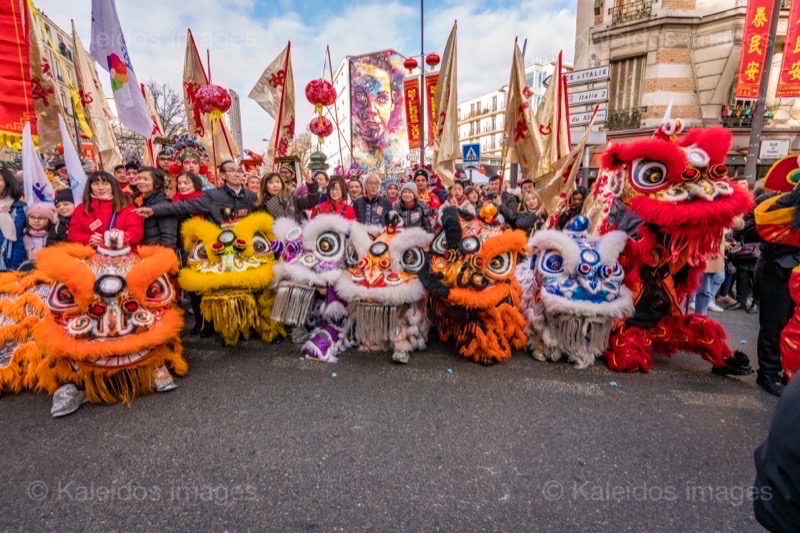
(471, 153)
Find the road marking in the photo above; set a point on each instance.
(584, 389)
(709, 399)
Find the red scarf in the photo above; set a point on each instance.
(181, 197)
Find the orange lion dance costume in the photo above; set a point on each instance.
(101, 323)
(474, 294)
(674, 199)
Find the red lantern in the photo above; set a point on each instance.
(320, 93)
(321, 127)
(213, 99)
(410, 64)
(432, 60)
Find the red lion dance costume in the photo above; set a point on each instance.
(674, 199)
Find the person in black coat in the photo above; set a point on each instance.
(415, 214)
(371, 207)
(574, 208)
(65, 206)
(505, 201)
(227, 203)
(162, 229)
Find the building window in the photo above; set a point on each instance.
(626, 83)
(494, 103)
(494, 122)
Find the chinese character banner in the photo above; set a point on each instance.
(789, 80)
(754, 48)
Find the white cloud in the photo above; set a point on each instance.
(242, 44)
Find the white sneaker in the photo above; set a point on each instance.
(66, 400)
(714, 307)
(163, 380)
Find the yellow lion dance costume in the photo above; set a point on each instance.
(231, 267)
(104, 322)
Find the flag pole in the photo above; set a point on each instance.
(335, 109)
(424, 132)
(505, 126)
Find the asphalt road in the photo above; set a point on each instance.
(256, 438)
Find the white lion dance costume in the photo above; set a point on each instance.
(573, 292)
(384, 295)
(312, 259)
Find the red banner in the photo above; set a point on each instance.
(754, 48)
(15, 74)
(411, 94)
(789, 80)
(430, 90)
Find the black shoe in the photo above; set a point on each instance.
(753, 310)
(197, 328)
(771, 383)
(207, 332)
(737, 365)
(735, 307)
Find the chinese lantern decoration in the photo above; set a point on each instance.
(213, 100)
(322, 94)
(410, 64)
(321, 127)
(432, 60)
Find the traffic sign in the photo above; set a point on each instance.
(581, 119)
(588, 97)
(471, 153)
(588, 75)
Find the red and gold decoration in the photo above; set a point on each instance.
(754, 48)
(321, 94)
(410, 64)
(789, 79)
(432, 60)
(430, 102)
(214, 101)
(411, 95)
(274, 92)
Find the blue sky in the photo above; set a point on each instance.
(245, 35)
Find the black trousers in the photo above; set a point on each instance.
(744, 283)
(777, 308)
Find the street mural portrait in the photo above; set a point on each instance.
(379, 135)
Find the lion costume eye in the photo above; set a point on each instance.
(413, 259)
(198, 253)
(648, 175)
(159, 292)
(61, 299)
(439, 246)
(608, 272)
(501, 265)
(551, 262)
(329, 244)
(261, 244)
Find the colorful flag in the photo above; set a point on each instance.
(754, 48)
(77, 177)
(413, 112)
(95, 106)
(519, 139)
(216, 138)
(34, 180)
(552, 117)
(446, 148)
(150, 155)
(46, 93)
(109, 48)
(15, 76)
(431, 81)
(789, 79)
(274, 92)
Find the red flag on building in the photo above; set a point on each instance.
(789, 79)
(754, 48)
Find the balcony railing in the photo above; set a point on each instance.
(624, 119)
(738, 116)
(631, 11)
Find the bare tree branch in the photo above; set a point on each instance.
(169, 106)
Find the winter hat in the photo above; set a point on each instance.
(410, 186)
(64, 195)
(44, 210)
(421, 172)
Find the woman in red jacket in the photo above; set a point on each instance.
(104, 207)
(336, 204)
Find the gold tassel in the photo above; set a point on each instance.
(267, 328)
(232, 313)
(124, 385)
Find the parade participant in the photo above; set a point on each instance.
(312, 259)
(525, 187)
(393, 192)
(161, 230)
(39, 221)
(474, 196)
(424, 193)
(277, 200)
(573, 292)
(336, 203)
(191, 156)
(385, 298)
(437, 187)
(189, 187)
(65, 207)
(322, 179)
(12, 222)
(231, 266)
(414, 213)
(226, 203)
(574, 207)
(105, 207)
(98, 325)
(674, 199)
(504, 200)
(119, 174)
(372, 207)
(288, 175)
(254, 184)
(532, 215)
(61, 173)
(473, 291)
(131, 173)
(355, 189)
(458, 199)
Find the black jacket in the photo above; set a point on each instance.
(530, 222)
(371, 211)
(418, 216)
(161, 229)
(217, 205)
(507, 207)
(292, 206)
(58, 232)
